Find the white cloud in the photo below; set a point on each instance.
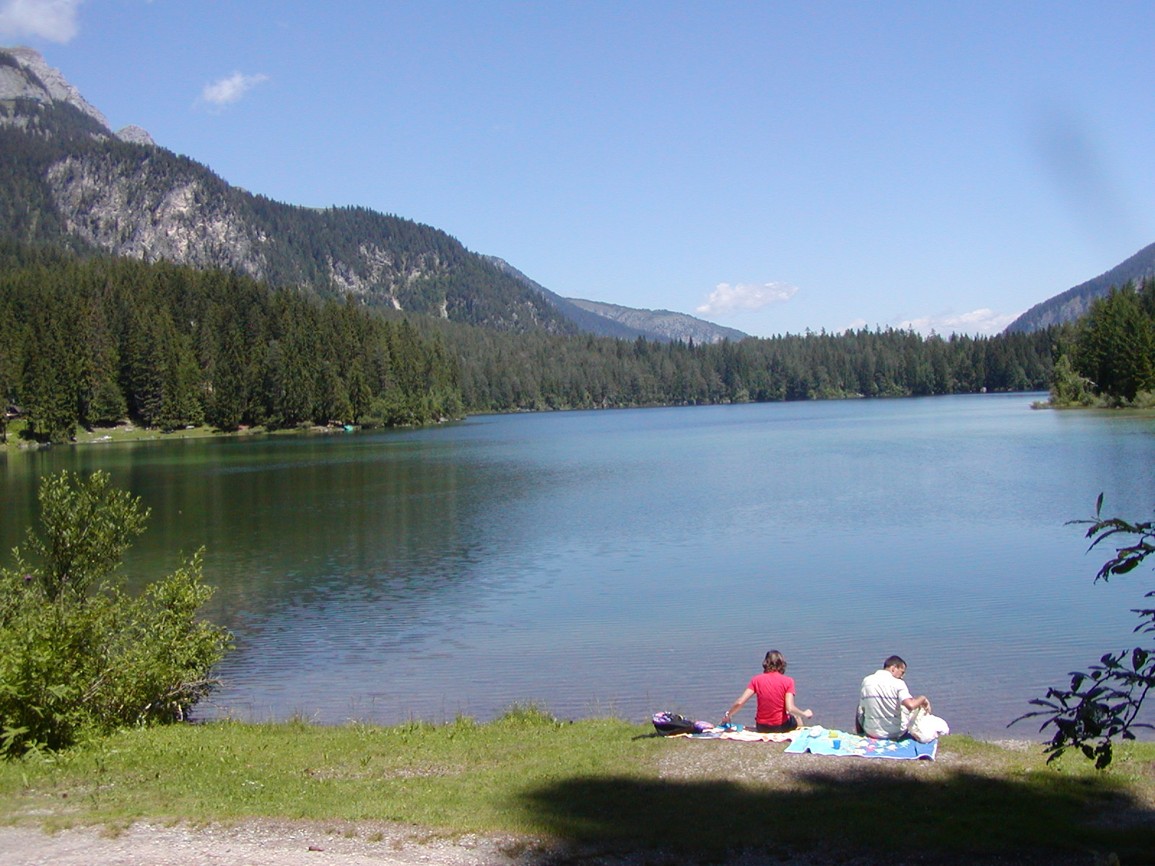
(981, 322)
(54, 20)
(231, 88)
(746, 296)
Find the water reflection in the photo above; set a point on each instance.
(639, 560)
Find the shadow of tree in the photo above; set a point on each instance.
(954, 816)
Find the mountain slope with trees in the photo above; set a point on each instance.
(1108, 355)
(69, 180)
(1074, 303)
(612, 320)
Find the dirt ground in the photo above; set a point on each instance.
(273, 843)
(259, 843)
(290, 843)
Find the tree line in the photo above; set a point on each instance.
(1108, 356)
(501, 372)
(94, 341)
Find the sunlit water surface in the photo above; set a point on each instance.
(624, 562)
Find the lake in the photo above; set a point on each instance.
(625, 562)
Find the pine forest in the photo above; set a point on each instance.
(95, 341)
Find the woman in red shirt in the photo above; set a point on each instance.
(777, 712)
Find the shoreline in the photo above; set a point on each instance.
(128, 433)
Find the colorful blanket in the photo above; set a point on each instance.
(819, 741)
(737, 732)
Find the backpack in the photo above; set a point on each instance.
(667, 723)
(927, 728)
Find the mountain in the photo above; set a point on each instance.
(672, 326)
(586, 322)
(70, 181)
(1073, 303)
(628, 323)
(25, 76)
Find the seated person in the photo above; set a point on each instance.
(885, 702)
(776, 711)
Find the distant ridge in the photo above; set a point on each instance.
(628, 323)
(672, 326)
(1073, 303)
(588, 322)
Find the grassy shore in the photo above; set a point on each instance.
(604, 786)
(131, 433)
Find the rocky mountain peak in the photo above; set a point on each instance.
(32, 78)
(24, 74)
(135, 135)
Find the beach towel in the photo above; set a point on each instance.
(737, 732)
(819, 741)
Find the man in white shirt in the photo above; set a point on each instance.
(885, 702)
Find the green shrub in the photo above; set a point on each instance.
(1068, 388)
(78, 654)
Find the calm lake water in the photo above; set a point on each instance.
(624, 562)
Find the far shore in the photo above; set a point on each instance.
(131, 433)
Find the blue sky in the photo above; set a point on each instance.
(769, 166)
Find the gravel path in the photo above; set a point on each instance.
(259, 843)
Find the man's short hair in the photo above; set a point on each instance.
(894, 662)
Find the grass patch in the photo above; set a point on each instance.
(120, 433)
(132, 433)
(458, 777)
(603, 785)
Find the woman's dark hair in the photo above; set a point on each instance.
(774, 661)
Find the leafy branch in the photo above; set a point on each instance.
(1102, 704)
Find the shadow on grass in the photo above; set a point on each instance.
(950, 817)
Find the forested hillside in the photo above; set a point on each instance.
(1072, 304)
(1109, 355)
(68, 180)
(96, 341)
(144, 202)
